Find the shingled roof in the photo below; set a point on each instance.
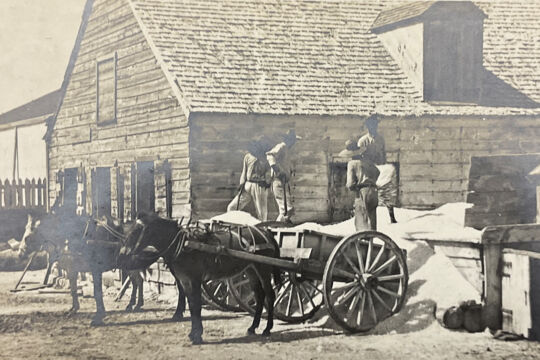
(401, 13)
(320, 57)
(42, 106)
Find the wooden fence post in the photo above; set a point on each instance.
(7, 194)
(39, 194)
(27, 192)
(20, 196)
(33, 193)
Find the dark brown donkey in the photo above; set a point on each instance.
(152, 236)
(83, 244)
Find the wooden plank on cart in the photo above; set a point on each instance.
(302, 266)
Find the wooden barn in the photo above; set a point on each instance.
(161, 97)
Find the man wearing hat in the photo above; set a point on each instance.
(253, 181)
(362, 174)
(279, 160)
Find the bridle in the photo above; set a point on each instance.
(179, 240)
(113, 232)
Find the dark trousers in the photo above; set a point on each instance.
(365, 209)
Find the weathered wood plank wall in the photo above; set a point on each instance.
(433, 154)
(500, 190)
(150, 123)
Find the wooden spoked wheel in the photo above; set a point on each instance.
(297, 297)
(365, 280)
(241, 290)
(217, 291)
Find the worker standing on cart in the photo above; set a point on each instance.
(362, 174)
(253, 181)
(279, 160)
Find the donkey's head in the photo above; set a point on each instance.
(50, 232)
(142, 241)
(28, 242)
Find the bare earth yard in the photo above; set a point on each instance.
(33, 326)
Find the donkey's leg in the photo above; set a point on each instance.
(72, 277)
(98, 297)
(265, 277)
(181, 306)
(259, 298)
(140, 290)
(133, 297)
(195, 305)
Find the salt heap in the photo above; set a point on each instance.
(434, 283)
(237, 217)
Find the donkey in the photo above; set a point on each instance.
(152, 237)
(82, 244)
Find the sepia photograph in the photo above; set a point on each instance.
(269, 179)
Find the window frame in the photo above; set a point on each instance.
(99, 61)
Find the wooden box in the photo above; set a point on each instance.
(521, 293)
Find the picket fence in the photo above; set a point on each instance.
(27, 194)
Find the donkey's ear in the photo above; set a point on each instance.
(29, 221)
(36, 224)
(144, 217)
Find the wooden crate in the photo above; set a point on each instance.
(521, 293)
(466, 256)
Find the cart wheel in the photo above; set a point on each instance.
(297, 299)
(365, 280)
(217, 291)
(240, 288)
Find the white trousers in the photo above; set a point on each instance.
(252, 192)
(278, 189)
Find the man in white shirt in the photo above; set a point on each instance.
(279, 160)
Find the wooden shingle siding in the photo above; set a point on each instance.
(150, 122)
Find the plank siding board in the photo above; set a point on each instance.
(433, 152)
(150, 124)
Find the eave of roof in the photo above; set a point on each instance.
(42, 106)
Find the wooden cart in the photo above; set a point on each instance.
(362, 279)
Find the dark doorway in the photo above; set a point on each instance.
(145, 192)
(120, 194)
(101, 192)
(70, 189)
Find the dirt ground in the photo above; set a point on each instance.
(33, 325)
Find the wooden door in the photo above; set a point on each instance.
(70, 189)
(145, 190)
(101, 192)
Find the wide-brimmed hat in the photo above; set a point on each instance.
(291, 134)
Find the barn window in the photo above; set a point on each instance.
(106, 90)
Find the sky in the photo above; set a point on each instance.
(36, 39)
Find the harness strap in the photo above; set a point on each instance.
(111, 230)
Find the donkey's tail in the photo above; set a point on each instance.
(276, 271)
